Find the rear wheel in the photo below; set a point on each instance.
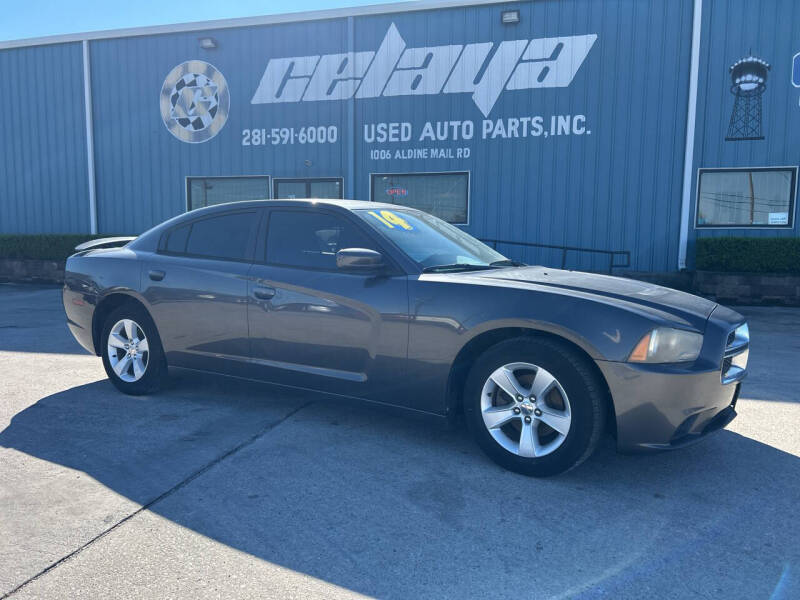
(534, 406)
(132, 353)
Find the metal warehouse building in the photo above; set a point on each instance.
(634, 126)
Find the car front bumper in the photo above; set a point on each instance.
(661, 408)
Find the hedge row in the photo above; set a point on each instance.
(748, 255)
(56, 246)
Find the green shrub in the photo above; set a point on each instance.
(47, 246)
(748, 254)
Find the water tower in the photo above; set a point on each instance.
(748, 83)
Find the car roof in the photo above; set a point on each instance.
(149, 239)
(298, 202)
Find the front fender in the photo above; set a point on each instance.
(447, 314)
(606, 329)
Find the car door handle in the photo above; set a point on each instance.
(156, 275)
(263, 293)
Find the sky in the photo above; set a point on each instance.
(36, 18)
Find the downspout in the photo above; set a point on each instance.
(349, 190)
(87, 107)
(691, 120)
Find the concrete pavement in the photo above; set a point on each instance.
(215, 488)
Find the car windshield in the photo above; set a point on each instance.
(430, 242)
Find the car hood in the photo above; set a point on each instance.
(688, 308)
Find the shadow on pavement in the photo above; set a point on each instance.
(392, 507)
(32, 320)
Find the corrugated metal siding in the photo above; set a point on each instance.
(732, 29)
(43, 180)
(141, 168)
(616, 189)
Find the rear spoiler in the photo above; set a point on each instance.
(104, 243)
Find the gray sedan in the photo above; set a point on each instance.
(394, 306)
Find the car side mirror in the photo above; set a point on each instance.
(359, 259)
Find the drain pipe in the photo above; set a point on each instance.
(87, 107)
(691, 119)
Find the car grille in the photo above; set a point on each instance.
(737, 351)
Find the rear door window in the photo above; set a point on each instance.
(227, 237)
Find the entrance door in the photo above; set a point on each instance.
(321, 187)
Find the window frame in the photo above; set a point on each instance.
(792, 199)
(262, 259)
(307, 181)
(188, 179)
(250, 255)
(428, 173)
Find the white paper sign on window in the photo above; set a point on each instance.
(779, 218)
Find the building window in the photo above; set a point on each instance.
(746, 197)
(321, 187)
(208, 191)
(445, 195)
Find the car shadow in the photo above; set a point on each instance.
(32, 320)
(393, 507)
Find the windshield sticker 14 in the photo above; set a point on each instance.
(390, 220)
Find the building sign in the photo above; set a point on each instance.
(748, 84)
(194, 101)
(396, 70)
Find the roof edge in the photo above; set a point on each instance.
(201, 26)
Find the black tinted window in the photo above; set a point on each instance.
(176, 242)
(226, 236)
(310, 239)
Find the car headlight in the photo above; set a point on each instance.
(667, 345)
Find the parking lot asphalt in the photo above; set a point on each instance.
(219, 488)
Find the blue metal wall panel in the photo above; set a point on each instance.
(43, 176)
(733, 29)
(616, 187)
(141, 167)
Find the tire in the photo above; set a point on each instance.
(574, 402)
(146, 367)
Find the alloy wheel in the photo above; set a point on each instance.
(128, 350)
(525, 409)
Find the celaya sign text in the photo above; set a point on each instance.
(395, 70)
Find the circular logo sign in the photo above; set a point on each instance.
(195, 101)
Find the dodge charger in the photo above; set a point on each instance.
(394, 306)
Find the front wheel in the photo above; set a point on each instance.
(534, 406)
(131, 349)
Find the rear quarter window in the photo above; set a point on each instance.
(176, 241)
(228, 237)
